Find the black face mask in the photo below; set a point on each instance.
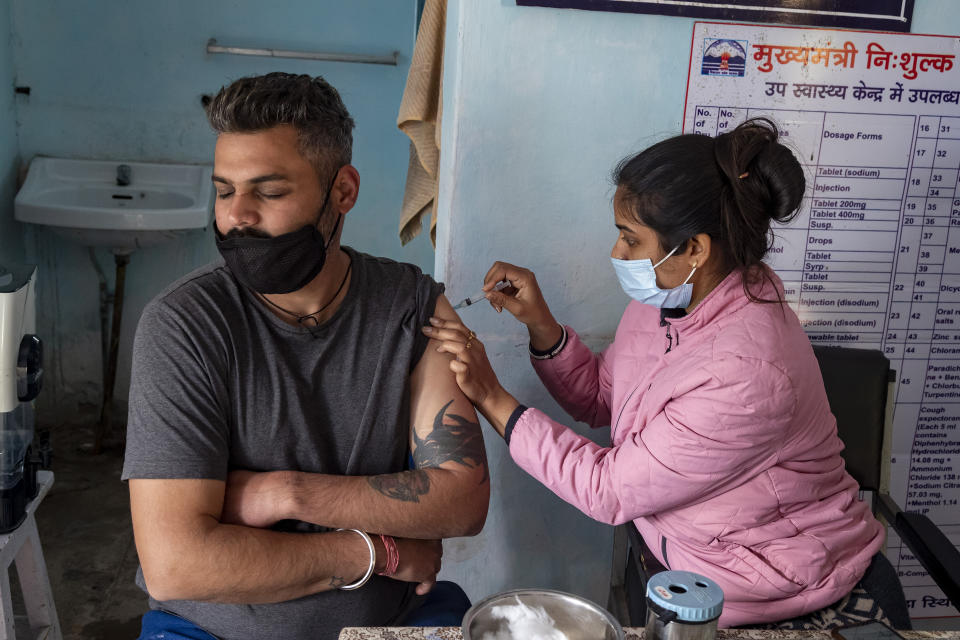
(279, 264)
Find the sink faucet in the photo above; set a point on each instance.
(123, 175)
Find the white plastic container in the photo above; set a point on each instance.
(21, 376)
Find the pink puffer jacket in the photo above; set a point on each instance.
(725, 453)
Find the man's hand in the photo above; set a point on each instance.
(254, 499)
(419, 562)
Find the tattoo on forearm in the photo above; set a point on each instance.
(336, 582)
(455, 438)
(407, 486)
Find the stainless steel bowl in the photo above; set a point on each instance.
(577, 617)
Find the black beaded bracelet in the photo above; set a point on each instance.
(536, 354)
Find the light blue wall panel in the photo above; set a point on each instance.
(11, 241)
(123, 81)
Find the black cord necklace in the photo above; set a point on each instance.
(304, 320)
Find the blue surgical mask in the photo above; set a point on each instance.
(639, 281)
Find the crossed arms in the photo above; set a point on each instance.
(205, 539)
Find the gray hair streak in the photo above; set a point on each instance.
(311, 105)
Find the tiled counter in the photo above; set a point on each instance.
(633, 633)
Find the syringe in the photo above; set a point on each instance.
(466, 302)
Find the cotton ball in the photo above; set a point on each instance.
(524, 622)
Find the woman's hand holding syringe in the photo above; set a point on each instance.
(506, 287)
(503, 285)
(524, 300)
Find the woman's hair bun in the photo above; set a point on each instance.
(765, 177)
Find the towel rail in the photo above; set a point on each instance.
(391, 59)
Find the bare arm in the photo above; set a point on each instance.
(448, 492)
(186, 553)
(445, 496)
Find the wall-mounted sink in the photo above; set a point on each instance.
(82, 200)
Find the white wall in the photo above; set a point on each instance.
(539, 106)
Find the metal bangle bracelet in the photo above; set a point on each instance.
(373, 561)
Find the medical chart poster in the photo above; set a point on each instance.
(873, 258)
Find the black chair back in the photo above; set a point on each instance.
(856, 381)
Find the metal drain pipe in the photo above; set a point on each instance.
(110, 374)
(105, 299)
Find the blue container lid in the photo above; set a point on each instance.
(691, 596)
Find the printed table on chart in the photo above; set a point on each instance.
(872, 260)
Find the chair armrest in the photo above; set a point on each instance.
(934, 551)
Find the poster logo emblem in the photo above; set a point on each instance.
(722, 57)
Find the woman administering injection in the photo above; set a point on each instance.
(724, 452)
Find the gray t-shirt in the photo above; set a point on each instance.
(220, 383)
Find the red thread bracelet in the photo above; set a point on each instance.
(393, 556)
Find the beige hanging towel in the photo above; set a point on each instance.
(419, 118)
